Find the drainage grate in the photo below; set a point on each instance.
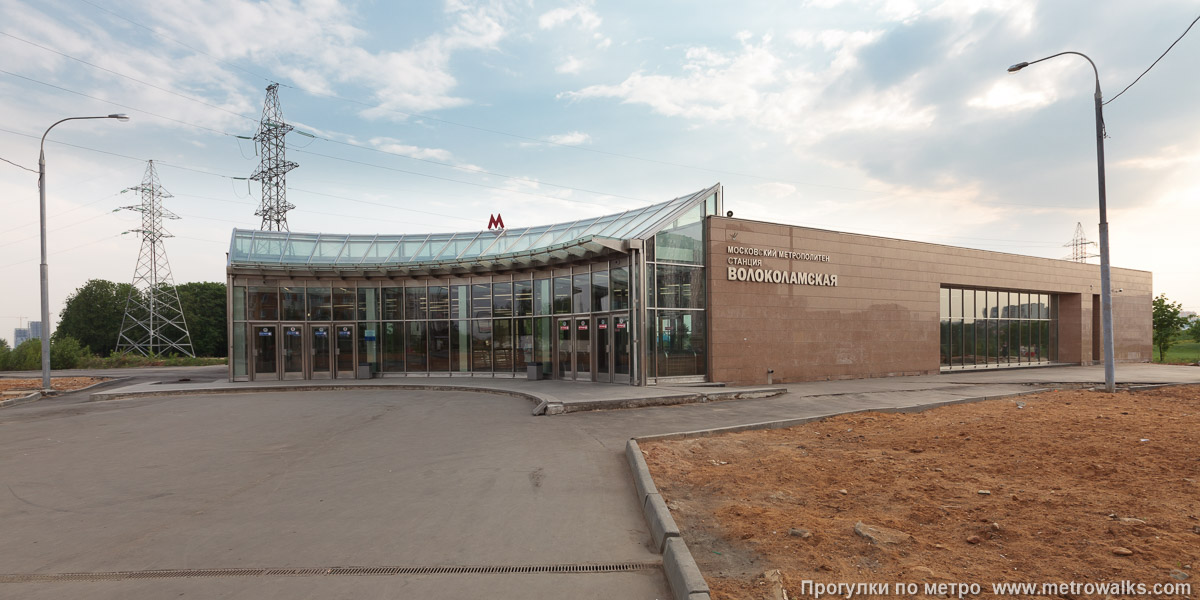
(331, 571)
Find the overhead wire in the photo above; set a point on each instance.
(525, 180)
(210, 173)
(1160, 57)
(20, 166)
(486, 129)
(56, 252)
(470, 169)
(131, 78)
(167, 37)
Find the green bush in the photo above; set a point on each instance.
(26, 357)
(66, 353)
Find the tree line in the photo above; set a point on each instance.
(90, 323)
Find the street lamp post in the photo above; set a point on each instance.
(46, 389)
(1110, 374)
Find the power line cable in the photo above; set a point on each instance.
(97, 241)
(1139, 77)
(126, 156)
(145, 83)
(167, 37)
(486, 129)
(817, 225)
(482, 185)
(125, 106)
(20, 166)
(380, 150)
(450, 179)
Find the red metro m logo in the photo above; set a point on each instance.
(495, 221)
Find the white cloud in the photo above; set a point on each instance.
(316, 44)
(574, 138)
(1167, 158)
(396, 147)
(588, 19)
(570, 65)
(755, 84)
(1030, 88)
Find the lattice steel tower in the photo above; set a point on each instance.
(273, 165)
(153, 322)
(1079, 246)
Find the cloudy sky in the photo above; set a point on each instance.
(885, 117)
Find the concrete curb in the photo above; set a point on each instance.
(672, 399)
(654, 509)
(543, 404)
(32, 396)
(683, 575)
(124, 395)
(26, 399)
(641, 473)
(779, 424)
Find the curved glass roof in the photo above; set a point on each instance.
(251, 247)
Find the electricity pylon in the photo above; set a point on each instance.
(273, 164)
(153, 322)
(1079, 246)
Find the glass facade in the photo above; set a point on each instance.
(676, 298)
(441, 326)
(997, 328)
(571, 298)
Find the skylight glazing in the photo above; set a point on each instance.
(251, 247)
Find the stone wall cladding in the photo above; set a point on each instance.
(882, 318)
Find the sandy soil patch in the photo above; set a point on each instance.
(1057, 487)
(63, 384)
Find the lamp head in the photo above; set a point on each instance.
(119, 117)
(1017, 67)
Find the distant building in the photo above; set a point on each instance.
(22, 334)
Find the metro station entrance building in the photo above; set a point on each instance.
(669, 293)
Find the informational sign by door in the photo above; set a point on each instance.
(344, 332)
(369, 335)
(292, 331)
(583, 327)
(265, 332)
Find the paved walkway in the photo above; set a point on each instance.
(377, 478)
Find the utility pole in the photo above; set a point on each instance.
(273, 165)
(153, 322)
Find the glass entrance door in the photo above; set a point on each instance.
(293, 352)
(603, 349)
(583, 349)
(266, 353)
(344, 361)
(563, 358)
(321, 359)
(620, 348)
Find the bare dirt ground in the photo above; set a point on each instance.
(1056, 487)
(62, 384)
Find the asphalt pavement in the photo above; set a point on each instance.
(390, 480)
